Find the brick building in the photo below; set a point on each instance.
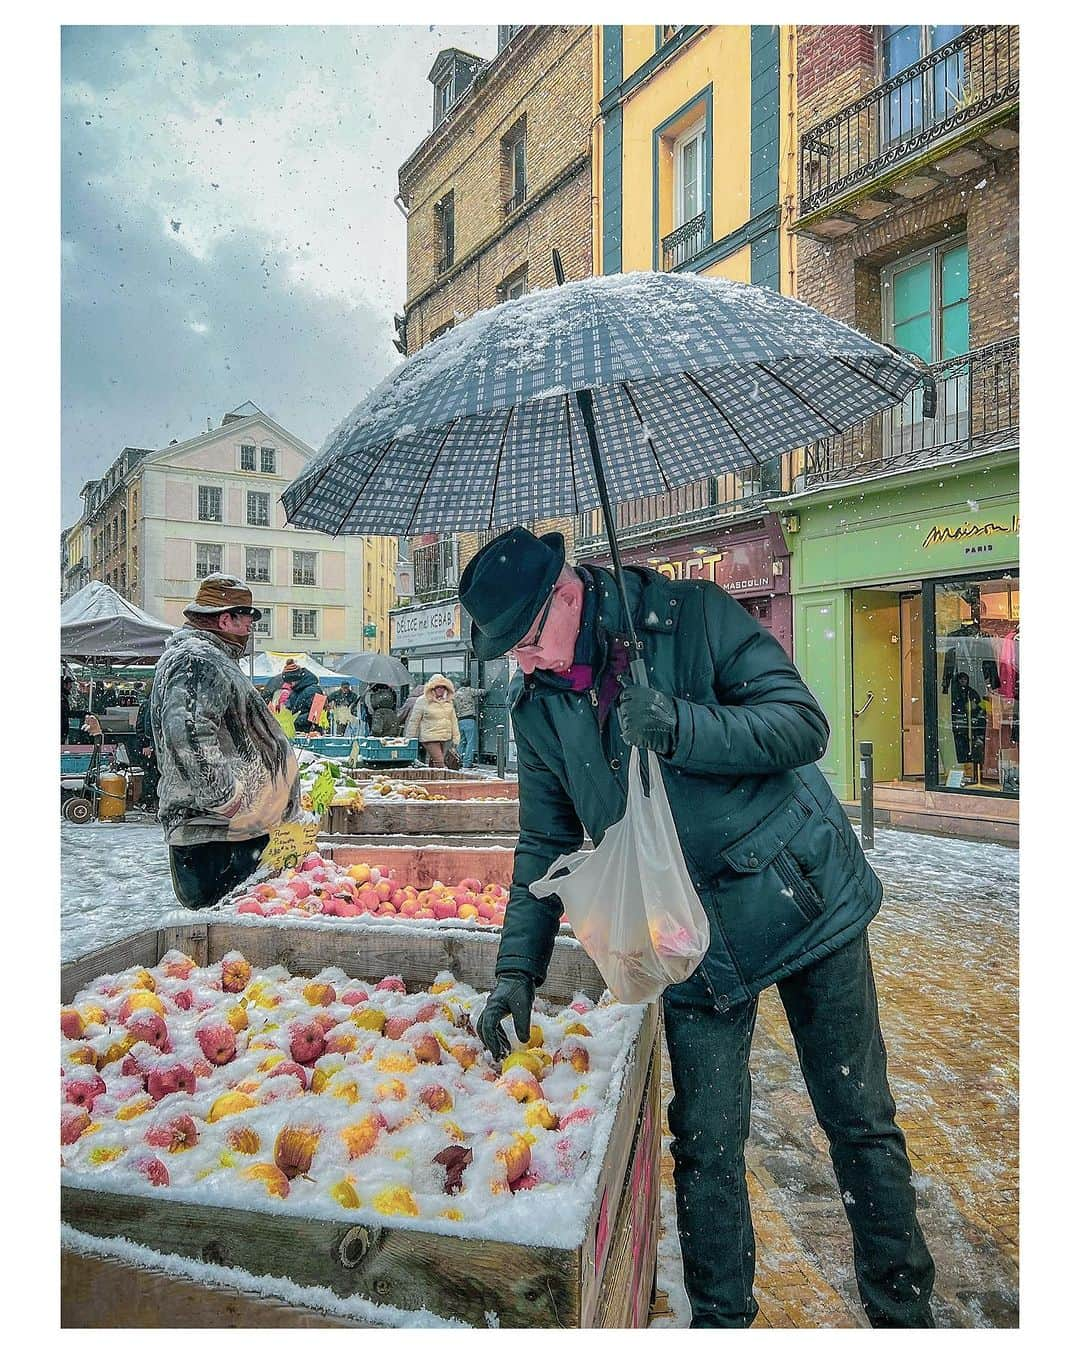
(504, 177)
(905, 564)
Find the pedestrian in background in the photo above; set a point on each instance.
(467, 707)
(228, 773)
(434, 722)
(381, 706)
(305, 685)
(408, 705)
(147, 755)
(66, 687)
(341, 705)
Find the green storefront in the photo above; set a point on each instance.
(907, 623)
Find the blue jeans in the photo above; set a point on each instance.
(467, 746)
(832, 1010)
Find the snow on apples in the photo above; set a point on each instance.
(319, 887)
(324, 1094)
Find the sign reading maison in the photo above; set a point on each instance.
(424, 627)
(977, 537)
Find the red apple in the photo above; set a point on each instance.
(395, 1027)
(307, 1042)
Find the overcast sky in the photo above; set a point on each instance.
(229, 231)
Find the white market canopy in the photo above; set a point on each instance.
(98, 624)
(269, 663)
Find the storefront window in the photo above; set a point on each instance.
(977, 640)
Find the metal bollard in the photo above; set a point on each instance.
(866, 792)
(500, 751)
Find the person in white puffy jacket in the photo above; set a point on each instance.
(433, 720)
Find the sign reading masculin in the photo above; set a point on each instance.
(743, 566)
(427, 626)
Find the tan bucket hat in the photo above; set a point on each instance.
(219, 594)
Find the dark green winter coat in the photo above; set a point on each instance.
(771, 853)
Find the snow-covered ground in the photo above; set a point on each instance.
(945, 952)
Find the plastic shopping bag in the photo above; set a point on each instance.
(630, 901)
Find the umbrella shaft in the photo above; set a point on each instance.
(585, 403)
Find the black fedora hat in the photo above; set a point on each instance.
(505, 585)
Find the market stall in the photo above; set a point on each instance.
(101, 630)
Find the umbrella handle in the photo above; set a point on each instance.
(585, 403)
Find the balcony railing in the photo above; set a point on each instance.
(684, 243)
(518, 199)
(435, 568)
(960, 83)
(978, 408)
(697, 505)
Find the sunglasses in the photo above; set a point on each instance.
(534, 643)
(249, 612)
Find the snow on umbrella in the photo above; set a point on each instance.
(610, 388)
(372, 667)
(690, 377)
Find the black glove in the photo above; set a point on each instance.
(648, 718)
(511, 996)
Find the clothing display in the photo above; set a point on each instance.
(968, 716)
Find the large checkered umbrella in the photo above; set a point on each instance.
(601, 390)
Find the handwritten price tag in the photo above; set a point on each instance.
(289, 844)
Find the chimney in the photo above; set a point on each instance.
(209, 423)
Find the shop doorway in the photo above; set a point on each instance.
(887, 681)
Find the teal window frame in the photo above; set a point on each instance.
(704, 97)
(940, 304)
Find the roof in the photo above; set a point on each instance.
(448, 56)
(244, 410)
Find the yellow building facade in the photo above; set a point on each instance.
(695, 170)
(695, 153)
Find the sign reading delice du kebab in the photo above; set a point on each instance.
(426, 626)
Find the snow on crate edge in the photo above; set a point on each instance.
(318, 1297)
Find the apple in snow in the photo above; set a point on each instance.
(217, 1042)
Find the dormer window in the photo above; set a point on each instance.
(451, 75)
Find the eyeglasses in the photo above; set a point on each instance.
(534, 644)
(250, 613)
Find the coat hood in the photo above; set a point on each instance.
(439, 681)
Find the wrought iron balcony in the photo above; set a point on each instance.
(435, 568)
(956, 96)
(518, 199)
(978, 408)
(683, 244)
(697, 505)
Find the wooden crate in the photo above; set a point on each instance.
(606, 1281)
(425, 817)
(440, 840)
(420, 866)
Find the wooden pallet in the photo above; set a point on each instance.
(607, 1280)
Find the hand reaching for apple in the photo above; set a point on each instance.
(512, 996)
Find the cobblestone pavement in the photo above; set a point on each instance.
(945, 950)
